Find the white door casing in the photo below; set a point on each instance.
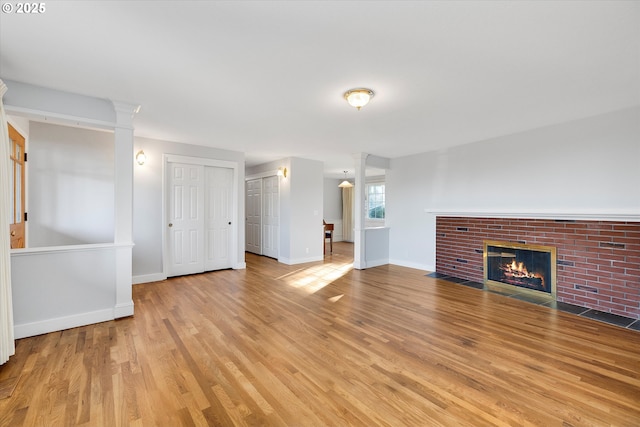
(271, 216)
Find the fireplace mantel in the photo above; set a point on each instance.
(587, 215)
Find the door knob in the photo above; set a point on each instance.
(229, 222)
(13, 232)
(170, 225)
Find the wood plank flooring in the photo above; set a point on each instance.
(321, 344)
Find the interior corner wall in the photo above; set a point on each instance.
(147, 202)
(306, 210)
(587, 165)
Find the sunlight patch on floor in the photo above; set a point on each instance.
(314, 278)
(336, 298)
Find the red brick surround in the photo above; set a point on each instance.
(598, 262)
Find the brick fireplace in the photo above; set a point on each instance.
(597, 264)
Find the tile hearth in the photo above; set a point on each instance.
(612, 319)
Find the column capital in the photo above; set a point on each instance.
(3, 89)
(360, 156)
(125, 112)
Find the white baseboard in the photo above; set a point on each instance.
(62, 323)
(147, 278)
(415, 265)
(123, 310)
(240, 266)
(376, 263)
(299, 260)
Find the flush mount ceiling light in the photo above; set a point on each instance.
(345, 183)
(358, 97)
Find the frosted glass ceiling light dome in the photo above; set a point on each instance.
(358, 97)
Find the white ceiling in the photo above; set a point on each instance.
(267, 78)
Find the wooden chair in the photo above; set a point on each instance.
(328, 234)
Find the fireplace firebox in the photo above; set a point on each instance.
(517, 266)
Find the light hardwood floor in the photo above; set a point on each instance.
(323, 345)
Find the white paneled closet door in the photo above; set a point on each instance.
(253, 209)
(270, 216)
(218, 217)
(186, 219)
(200, 218)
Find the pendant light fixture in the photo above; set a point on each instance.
(358, 97)
(345, 183)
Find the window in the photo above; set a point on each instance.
(375, 201)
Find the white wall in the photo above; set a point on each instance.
(588, 166)
(147, 202)
(71, 186)
(376, 246)
(307, 192)
(75, 289)
(21, 124)
(332, 199)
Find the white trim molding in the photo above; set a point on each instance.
(69, 248)
(261, 175)
(148, 278)
(568, 214)
(61, 323)
(414, 265)
(123, 310)
(289, 261)
(59, 118)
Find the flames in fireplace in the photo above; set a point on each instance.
(519, 265)
(516, 273)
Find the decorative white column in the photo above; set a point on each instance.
(123, 233)
(7, 343)
(359, 238)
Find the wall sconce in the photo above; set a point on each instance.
(141, 157)
(282, 172)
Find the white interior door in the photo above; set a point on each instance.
(253, 209)
(186, 215)
(218, 217)
(271, 216)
